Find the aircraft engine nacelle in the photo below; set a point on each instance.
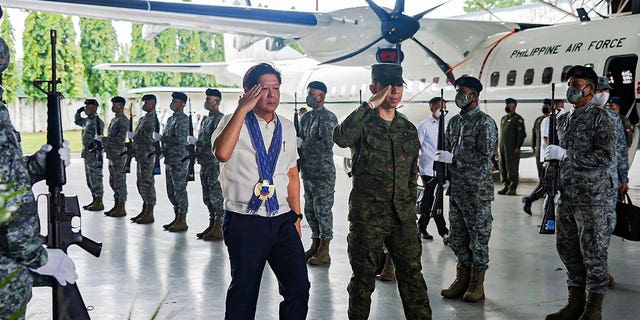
(275, 44)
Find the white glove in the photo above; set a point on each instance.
(191, 140)
(157, 136)
(299, 141)
(130, 134)
(98, 137)
(65, 153)
(446, 184)
(553, 152)
(41, 155)
(444, 156)
(60, 266)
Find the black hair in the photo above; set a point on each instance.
(252, 77)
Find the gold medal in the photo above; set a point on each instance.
(263, 190)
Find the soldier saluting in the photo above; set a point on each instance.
(92, 129)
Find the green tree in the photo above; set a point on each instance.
(167, 44)
(473, 5)
(10, 75)
(141, 51)
(98, 44)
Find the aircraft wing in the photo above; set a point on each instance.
(218, 69)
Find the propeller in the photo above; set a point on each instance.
(396, 27)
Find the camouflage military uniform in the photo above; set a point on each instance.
(20, 243)
(619, 168)
(471, 138)
(512, 134)
(583, 211)
(143, 152)
(114, 147)
(91, 126)
(209, 165)
(174, 149)
(628, 130)
(381, 208)
(318, 170)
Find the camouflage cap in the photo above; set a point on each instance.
(603, 83)
(583, 72)
(387, 74)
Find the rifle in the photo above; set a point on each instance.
(191, 149)
(440, 168)
(157, 151)
(63, 212)
(552, 175)
(129, 144)
(96, 147)
(296, 123)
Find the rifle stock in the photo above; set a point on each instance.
(552, 174)
(191, 150)
(157, 150)
(129, 144)
(440, 168)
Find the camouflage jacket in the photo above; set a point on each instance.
(620, 166)
(512, 131)
(316, 151)
(203, 145)
(91, 126)
(174, 139)
(628, 130)
(143, 138)
(588, 135)
(471, 138)
(116, 135)
(385, 166)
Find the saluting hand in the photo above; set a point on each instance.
(249, 100)
(379, 97)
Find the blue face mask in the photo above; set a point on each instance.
(463, 100)
(312, 101)
(574, 95)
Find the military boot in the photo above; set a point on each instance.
(322, 256)
(593, 307)
(144, 206)
(97, 205)
(90, 204)
(175, 218)
(388, 272)
(212, 222)
(503, 191)
(459, 285)
(108, 212)
(147, 215)
(574, 307)
(315, 243)
(120, 210)
(512, 192)
(475, 292)
(526, 205)
(215, 233)
(180, 225)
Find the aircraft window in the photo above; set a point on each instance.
(495, 77)
(627, 77)
(511, 78)
(547, 75)
(528, 76)
(563, 76)
(343, 91)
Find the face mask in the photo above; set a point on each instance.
(312, 101)
(207, 105)
(507, 109)
(87, 112)
(114, 109)
(574, 95)
(463, 100)
(601, 98)
(173, 106)
(145, 108)
(546, 110)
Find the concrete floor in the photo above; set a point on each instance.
(141, 265)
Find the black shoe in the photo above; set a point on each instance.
(527, 205)
(426, 235)
(503, 191)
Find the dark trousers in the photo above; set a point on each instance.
(426, 204)
(254, 240)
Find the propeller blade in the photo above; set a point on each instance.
(355, 53)
(445, 67)
(423, 13)
(381, 13)
(399, 7)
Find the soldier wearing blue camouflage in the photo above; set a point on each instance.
(470, 144)
(381, 205)
(174, 148)
(587, 152)
(210, 167)
(114, 146)
(315, 144)
(92, 131)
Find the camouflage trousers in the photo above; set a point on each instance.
(93, 174)
(582, 240)
(211, 189)
(318, 201)
(364, 247)
(145, 181)
(17, 292)
(470, 229)
(177, 186)
(118, 179)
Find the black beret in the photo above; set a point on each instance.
(469, 82)
(615, 99)
(213, 93)
(149, 97)
(318, 86)
(435, 100)
(387, 74)
(547, 101)
(179, 96)
(118, 99)
(510, 100)
(92, 102)
(583, 72)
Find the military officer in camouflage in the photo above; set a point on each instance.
(614, 104)
(115, 149)
(587, 149)
(384, 145)
(318, 172)
(174, 148)
(210, 167)
(143, 152)
(92, 131)
(512, 134)
(471, 141)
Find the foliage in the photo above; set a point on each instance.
(167, 44)
(98, 44)
(197, 46)
(10, 75)
(473, 6)
(141, 51)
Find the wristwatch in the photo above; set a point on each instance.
(299, 215)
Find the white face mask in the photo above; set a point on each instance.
(601, 98)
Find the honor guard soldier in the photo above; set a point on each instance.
(174, 148)
(382, 202)
(587, 149)
(471, 141)
(536, 142)
(92, 130)
(318, 172)
(115, 150)
(512, 134)
(143, 151)
(210, 167)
